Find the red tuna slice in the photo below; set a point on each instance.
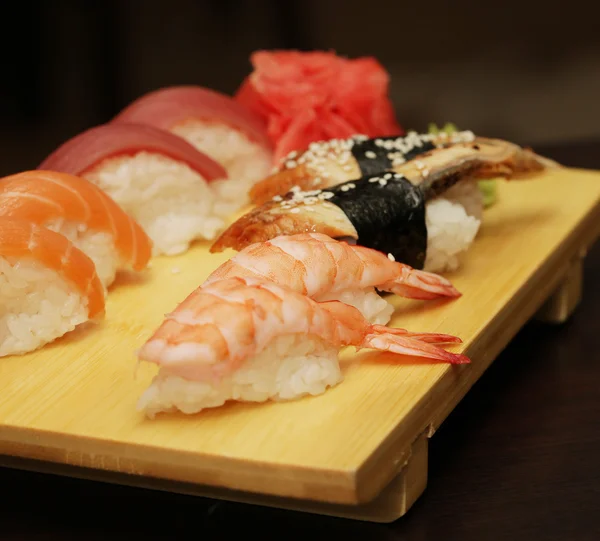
(88, 149)
(168, 107)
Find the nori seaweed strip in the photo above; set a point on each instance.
(388, 215)
(373, 158)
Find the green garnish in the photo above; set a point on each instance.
(448, 128)
(488, 187)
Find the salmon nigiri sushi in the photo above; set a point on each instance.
(47, 287)
(82, 212)
(214, 123)
(158, 178)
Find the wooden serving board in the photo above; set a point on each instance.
(359, 450)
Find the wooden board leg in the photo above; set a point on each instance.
(404, 490)
(562, 303)
(391, 504)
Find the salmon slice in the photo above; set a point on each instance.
(42, 197)
(25, 240)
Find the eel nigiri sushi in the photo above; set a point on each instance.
(249, 339)
(83, 213)
(215, 124)
(159, 179)
(325, 269)
(47, 287)
(426, 220)
(434, 161)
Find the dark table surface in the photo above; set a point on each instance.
(519, 459)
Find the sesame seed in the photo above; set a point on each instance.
(295, 210)
(387, 176)
(370, 154)
(290, 164)
(398, 176)
(295, 189)
(374, 179)
(345, 188)
(382, 182)
(277, 198)
(391, 257)
(378, 142)
(352, 185)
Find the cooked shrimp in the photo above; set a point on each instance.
(251, 339)
(325, 269)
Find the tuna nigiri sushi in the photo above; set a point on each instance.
(159, 179)
(249, 339)
(47, 287)
(214, 123)
(82, 212)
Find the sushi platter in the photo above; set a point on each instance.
(180, 318)
(359, 450)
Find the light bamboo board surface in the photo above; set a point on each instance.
(73, 403)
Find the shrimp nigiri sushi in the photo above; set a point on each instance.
(47, 287)
(159, 179)
(215, 124)
(83, 213)
(325, 269)
(249, 339)
(426, 211)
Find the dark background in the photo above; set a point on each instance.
(518, 458)
(528, 71)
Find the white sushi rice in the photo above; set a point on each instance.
(246, 162)
(173, 203)
(289, 368)
(371, 305)
(37, 306)
(468, 194)
(99, 246)
(453, 222)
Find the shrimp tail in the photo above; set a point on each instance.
(409, 344)
(429, 337)
(421, 285)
